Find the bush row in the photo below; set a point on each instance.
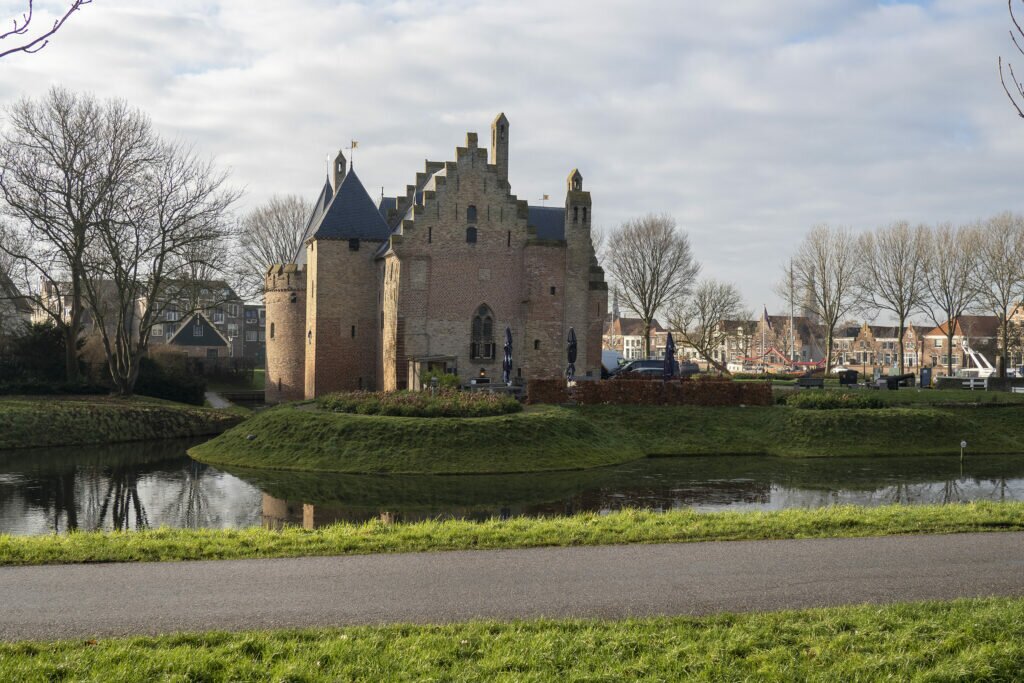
(706, 392)
(833, 400)
(421, 403)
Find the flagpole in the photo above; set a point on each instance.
(764, 323)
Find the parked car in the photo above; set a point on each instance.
(655, 367)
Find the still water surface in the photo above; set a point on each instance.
(152, 484)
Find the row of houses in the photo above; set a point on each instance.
(777, 343)
(218, 326)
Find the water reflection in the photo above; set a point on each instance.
(134, 486)
(119, 487)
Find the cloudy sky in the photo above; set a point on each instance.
(748, 121)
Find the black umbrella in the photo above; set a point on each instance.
(506, 364)
(670, 358)
(571, 352)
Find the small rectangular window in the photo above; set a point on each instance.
(353, 331)
(552, 291)
(430, 235)
(536, 344)
(197, 331)
(353, 245)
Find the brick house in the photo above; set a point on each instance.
(626, 336)
(382, 292)
(979, 332)
(254, 335)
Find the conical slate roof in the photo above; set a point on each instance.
(352, 214)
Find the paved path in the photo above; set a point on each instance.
(610, 581)
(217, 401)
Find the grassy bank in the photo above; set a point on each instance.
(72, 421)
(547, 438)
(953, 641)
(631, 526)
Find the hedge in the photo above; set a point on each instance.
(833, 400)
(705, 392)
(447, 403)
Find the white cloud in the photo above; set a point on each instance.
(749, 121)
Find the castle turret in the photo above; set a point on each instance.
(285, 298)
(499, 146)
(336, 170)
(584, 277)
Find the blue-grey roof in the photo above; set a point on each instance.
(549, 221)
(387, 204)
(352, 214)
(322, 200)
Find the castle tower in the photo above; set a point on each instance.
(285, 298)
(587, 292)
(499, 146)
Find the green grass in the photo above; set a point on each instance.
(630, 526)
(548, 438)
(78, 421)
(923, 397)
(963, 640)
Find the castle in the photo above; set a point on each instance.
(382, 293)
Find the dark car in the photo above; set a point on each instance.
(655, 367)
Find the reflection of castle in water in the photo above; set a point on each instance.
(278, 512)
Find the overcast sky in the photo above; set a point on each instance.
(749, 121)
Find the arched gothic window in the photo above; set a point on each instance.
(482, 338)
(471, 235)
(471, 214)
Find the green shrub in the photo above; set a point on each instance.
(812, 399)
(444, 380)
(446, 403)
(156, 381)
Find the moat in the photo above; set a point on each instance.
(153, 484)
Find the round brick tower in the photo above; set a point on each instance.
(285, 298)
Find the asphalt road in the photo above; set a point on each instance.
(76, 601)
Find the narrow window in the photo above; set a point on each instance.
(508, 240)
(309, 337)
(271, 330)
(353, 245)
(575, 214)
(536, 344)
(471, 235)
(293, 298)
(482, 334)
(382, 321)
(471, 214)
(430, 235)
(553, 291)
(353, 331)
(584, 214)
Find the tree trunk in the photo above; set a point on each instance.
(828, 352)
(647, 338)
(899, 344)
(949, 349)
(1005, 334)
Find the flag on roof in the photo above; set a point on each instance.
(767, 320)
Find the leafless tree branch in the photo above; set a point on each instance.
(42, 40)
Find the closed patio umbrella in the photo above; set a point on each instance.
(670, 358)
(506, 364)
(570, 371)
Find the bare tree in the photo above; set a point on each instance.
(825, 267)
(701, 322)
(1017, 36)
(998, 274)
(653, 264)
(163, 244)
(20, 37)
(55, 183)
(893, 277)
(949, 266)
(270, 233)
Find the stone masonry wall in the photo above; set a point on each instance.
(341, 320)
(285, 298)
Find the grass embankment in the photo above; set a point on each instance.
(547, 438)
(919, 397)
(630, 526)
(69, 421)
(952, 641)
